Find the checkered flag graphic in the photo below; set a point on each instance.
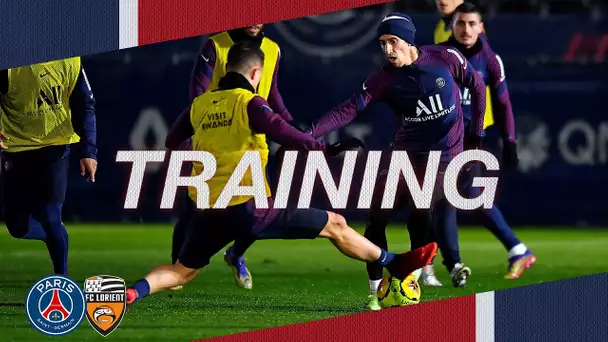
(104, 284)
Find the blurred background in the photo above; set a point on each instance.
(555, 55)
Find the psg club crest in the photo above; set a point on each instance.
(55, 305)
(106, 298)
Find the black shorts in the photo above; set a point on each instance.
(211, 230)
(291, 224)
(32, 180)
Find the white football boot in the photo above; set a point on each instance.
(428, 276)
(460, 273)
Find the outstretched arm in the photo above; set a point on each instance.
(263, 120)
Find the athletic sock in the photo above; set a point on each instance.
(386, 258)
(142, 287)
(519, 249)
(373, 286)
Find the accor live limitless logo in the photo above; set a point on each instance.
(316, 164)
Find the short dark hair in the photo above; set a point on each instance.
(244, 54)
(468, 7)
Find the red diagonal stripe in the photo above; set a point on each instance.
(445, 320)
(161, 20)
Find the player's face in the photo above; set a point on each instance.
(396, 50)
(467, 27)
(447, 7)
(253, 30)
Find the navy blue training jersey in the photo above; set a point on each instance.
(425, 98)
(491, 69)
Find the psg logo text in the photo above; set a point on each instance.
(55, 305)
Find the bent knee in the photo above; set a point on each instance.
(335, 227)
(17, 227)
(186, 274)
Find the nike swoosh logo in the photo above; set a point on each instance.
(205, 58)
(364, 86)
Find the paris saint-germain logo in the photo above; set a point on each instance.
(55, 305)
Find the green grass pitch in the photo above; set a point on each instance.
(294, 281)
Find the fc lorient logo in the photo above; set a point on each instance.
(316, 163)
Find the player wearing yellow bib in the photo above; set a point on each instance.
(45, 108)
(229, 122)
(443, 32)
(209, 68)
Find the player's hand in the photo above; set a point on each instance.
(300, 126)
(472, 142)
(344, 145)
(88, 166)
(3, 137)
(509, 155)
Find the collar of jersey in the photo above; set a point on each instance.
(234, 80)
(475, 49)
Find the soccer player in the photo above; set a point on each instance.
(443, 31)
(467, 26)
(46, 108)
(229, 122)
(209, 68)
(420, 84)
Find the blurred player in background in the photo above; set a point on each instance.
(46, 108)
(467, 26)
(443, 29)
(443, 32)
(420, 84)
(209, 68)
(228, 123)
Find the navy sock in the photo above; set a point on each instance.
(386, 258)
(35, 231)
(496, 223)
(240, 246)
(142, 287)
(56, 236)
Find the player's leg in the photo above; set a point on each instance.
(18, 182)
(207, 233)
(179, 231)
(312, 223)
(520, 257)
(375, 231)
(53, 172)
(181, 226)
(236, 261)
(419, 225)
(445, 227)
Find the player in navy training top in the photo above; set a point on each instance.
(420, 84)
(467, 27)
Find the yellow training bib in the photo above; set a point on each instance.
(221, 127)
(36, 109)
(223, 42)
(443, 32)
